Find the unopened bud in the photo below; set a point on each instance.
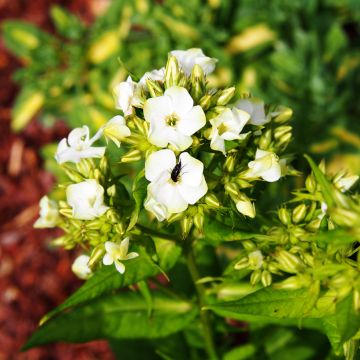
(291, 283)
(225, 96)
(310, 184)
(284, 216)
(248, 245)
(242, 264)
(155, 88)
(243, 184)
(98, 176)
(84, 167)
(255, 277)
(282, 114)
(172, 72)
(212, 201)
(266, 278)
(299, 233)
(131, 156)
(288, 262)
(229, 164)
(265, 140)
(73, 175)
(199, 221)
(120, 228)
(197, 80)
(60, 241)
(94, 224)
(111, 191)
(245, 206)
(299, 213)
(281, 131)
(344, 217)
(186, 224)
(314, 225)
(112, 215)
(66, 212)
(175, 217)
(273, 268)
(232, 189)
(311, 211)
(205, 102)
(96, 255)
(104, 165)
(284, 140)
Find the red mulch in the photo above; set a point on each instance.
(33, 277)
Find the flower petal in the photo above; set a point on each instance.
(131, 255)
(79, 135)
(180, 98)
(192, 121)
(159, 162)
(107, 259)
(120, 267)
(273, 174)
(124, 247)
(156, 110)
(191, 169)
(179, 141)
(192, 194)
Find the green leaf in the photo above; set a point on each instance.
(107, 279)
(242, 352)
(139, 193)
(118, 316)
(326, 186)
(269, 303)
(216, 233)
(329, 327)
(347, 318)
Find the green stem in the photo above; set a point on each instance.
(155, 233)
(200, 289)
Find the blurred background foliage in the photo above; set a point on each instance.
(303, 54)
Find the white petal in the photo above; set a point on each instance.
(159, 210)
(191, 169)
(131, 255)
(78, 135)
(107, 259)
(111, 247)
(158, 137)
(261, 153)
(258, 116)
(120, 267)
(192, 194)
(80, 267)
(217, 143)
(181, 100)
(92, 152)
(157, 109)
(273, 174)
(245, 105)
(159, 162)
(192, 121)
(179, 141)
(167, 194)
(124, 246)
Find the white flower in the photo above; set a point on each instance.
(115, 253)
(246, 207)
(128, 94)
(159, 210)
(173, 118)
(188, 58)
(81, 268)
(86, 199)
(49, 214)
(255, 108)
(155, 75)
(227, 126)
(346, 182)
(116, 129)
(266, 165)
(174, 184)
(78, 146)
(256, 259)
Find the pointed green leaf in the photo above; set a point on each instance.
(347, 318)
(139, 193)
(116, 316)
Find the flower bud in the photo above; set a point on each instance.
(310, 184)
(243, 184)
(232, 189)
(248, 245)
(205, 102)
(299, 213)
(281, 131)
(66, 212)
(131, 156)
(155, 88)
(356, 300)
(284, 140)
(245, 206)
(265, 140)
(186, 224)
(197, 81)
(344, 217)
(242, 264)
(96, 255)
(266, 278)
(73, 175)
(282, 114)
(94, 224)
(314, 225)
(212, 201)
(255, 277)
(98, 176)
(229, 164)
(291, 283)
(84, 167)
(288, 262)
(175, 217)
(311, 211)
(225, 96)
(199, 221)
(284, 216)
(273, 268)
(104, 165)
(172, 72)
(256, 259)
(111, 191)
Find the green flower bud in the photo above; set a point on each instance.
(310, 184)
(131, 156)
(345, 217)
(155, 89)
(291, 283)
(186, 224)
(243, 184)
(111, 191)
(265, 140)
(255, 277)
(266, 278)
(212, 201)
(288, 262)
(96, 255)
(311, 211)
(60, 241)
(232, 189)
(229, 164)
(284, 140)
(242, 264)
(141, 125)
(84, 167)
(172, 72)
(225, 96)
(73, 175)
(314, 225)
(248, 245)
(281, 131)
(104, 165)
(199, 221)
(299, 213)
(284, 216)
(94, 224)
(120, 228)
(356, 300)
(283, 114)
(205, 102)
(197, 81)
(98, 176)
(299, 233)
(273, 268)
(66, 212)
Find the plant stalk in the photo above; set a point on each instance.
(200, 289)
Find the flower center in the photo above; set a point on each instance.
(222, 129)
(175, 174)
(172, 119)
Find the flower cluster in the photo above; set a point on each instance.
(196, 149)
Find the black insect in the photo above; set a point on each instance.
(176, 172)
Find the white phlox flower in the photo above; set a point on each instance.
(255, 108)
(155, 75)
(78, 145)
(116, 130)
(227, 126)
(86, 199)
(346, 182)
(81, 268)
(256, 259)
(173, 118)
(116, 253)
(49, 214)
(266, 165)
(127, 95)
(174, 185)
(158, 210)
(188, 58)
